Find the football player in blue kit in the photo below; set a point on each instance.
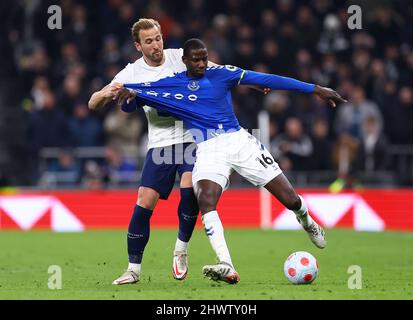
(201, 98)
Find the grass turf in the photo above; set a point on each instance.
(91, 260)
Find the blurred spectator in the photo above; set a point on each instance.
(218, 38)
(328, 71)
(123, 130)
(41, 86)
(377, 79)
(294, 145)
(372, 155)
(65, 171)
(406, 78)
(117, 168)
(268, 25)
(403, 110)
(351, 115)
(392, 61)
(69, 94)
(321, 156)
(111, 52)
(47, 127)
(270, 56)
(32, 61)
(344, 157)
(278, 106)
(249, 104)
(332, 39)
(387, 101)
(80, 32)
(385, 27)
(308, 109)
(307, 28)
(85, 130)
(361, 60)
(69, 56)
(92, 177)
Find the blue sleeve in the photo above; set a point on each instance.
(228, 75)
(275, 82)
(132, 106)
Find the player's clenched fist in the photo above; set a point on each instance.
(122, 94)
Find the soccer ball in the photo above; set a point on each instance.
(301, 268)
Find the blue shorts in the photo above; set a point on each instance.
(160, 175)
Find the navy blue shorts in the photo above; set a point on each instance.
(162, 164)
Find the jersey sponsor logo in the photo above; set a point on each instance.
(177, 96)
(193, 85)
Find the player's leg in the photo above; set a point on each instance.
(138, 233)
(256, 164)
(210, 178)
(208, 194)
(187, 213)
(157, 181)
(282, 189)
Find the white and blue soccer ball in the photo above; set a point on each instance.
(301, 268)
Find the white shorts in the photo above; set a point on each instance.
(216, 158)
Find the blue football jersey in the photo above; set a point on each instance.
(205, 103)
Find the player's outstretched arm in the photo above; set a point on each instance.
(113, 91)
(102, 97)
(285, 83)
(329, 95)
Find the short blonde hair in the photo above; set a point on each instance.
(143, 24)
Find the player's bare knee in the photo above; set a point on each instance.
(186, 180)
(147, 198)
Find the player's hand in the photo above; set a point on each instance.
(123, 95)
(110, 90)
(329, 95)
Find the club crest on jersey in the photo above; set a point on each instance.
(193, 85)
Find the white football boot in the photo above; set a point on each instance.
(222, 271)
(128, 277)
(315, 232)
(180, 265)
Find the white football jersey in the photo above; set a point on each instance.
(162, 130)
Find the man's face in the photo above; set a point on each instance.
(151, 45)
(196, 62)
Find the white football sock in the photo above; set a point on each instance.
(135, 267)
(181, 245)
(303, 214)
(215, 233)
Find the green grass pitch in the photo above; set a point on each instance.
(91, 260)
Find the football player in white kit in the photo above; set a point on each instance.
(157, 179)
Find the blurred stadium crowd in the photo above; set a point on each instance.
(47, 77)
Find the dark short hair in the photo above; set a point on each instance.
(193, 44)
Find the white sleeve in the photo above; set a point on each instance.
(125, 75)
